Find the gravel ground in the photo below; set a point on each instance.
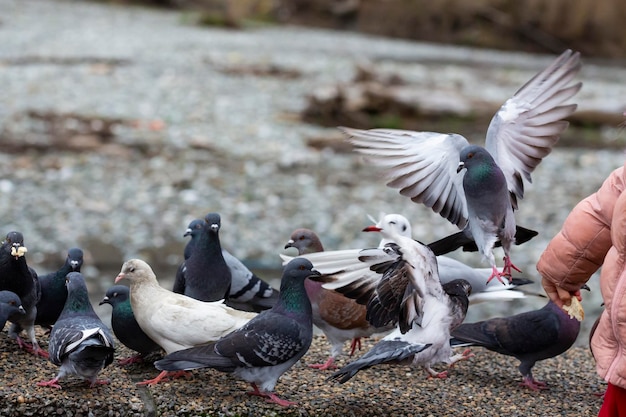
(191, 120)
(485, 385)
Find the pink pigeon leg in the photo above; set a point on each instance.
(533, 384)
(270, 396)
(467, 353)
(52, 383)
(99, 382)
(434, 374)
(130, 360)
(495, 274)
(329, 364)
(36, 350)
(508, 266)
(355, 342)
(165, 376)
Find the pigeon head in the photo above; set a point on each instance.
(194, 227)
(474, 156)
(457, 288)
(292, 296)
(11, 302)
(14, 241)
(305, 241)
(213, 221)
(77, 295)
(298, 269)
(75, 259)
(136, 271)
(75, 281)
(115, 295)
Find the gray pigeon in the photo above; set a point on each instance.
(125, 326)
(247, 292)
(205, 275)
(338, 317)
(17, 276)
(425, 166)
(267, 346)
(79, 342)
(530, 337)
(397, 348)
(10, 305)
(409, 294)
(53, 291)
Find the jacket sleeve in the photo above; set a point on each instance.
(578, 250)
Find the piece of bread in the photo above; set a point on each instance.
(575, 309)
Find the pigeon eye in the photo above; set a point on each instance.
(470, 155)
(131, 269)
(12, 303)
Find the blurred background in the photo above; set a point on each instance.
(121, 121)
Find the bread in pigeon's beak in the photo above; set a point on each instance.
(18, 251)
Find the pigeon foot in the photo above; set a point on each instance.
(467, 353)
(52, 383)
(270, 396)
(434, 374)
(130, 360)
(165, 376)
(498, 275)
(355, 342)
(30, 348)
(329, 364)
(99, 382)
(533, 384)
(508, 266)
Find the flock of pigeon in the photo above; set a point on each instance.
(221, 315)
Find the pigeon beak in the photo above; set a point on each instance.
(119, 277)
(315, 273)
(187, 232)
(460, 167)
(74, 264)
(372, 229)
(215, 227)
(21, 310)
(289, 244)
(105, 300)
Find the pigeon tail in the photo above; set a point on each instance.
(462, 240)
(385, 351)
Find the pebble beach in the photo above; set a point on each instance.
(186, 121)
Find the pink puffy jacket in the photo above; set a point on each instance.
(594, 235)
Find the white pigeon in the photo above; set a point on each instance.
(175, 321)
(347, 262)
(477, 188)
(407, 293)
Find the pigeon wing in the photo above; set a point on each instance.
(519, 334)
(530, 123)
(422, 165)
(268, 340)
